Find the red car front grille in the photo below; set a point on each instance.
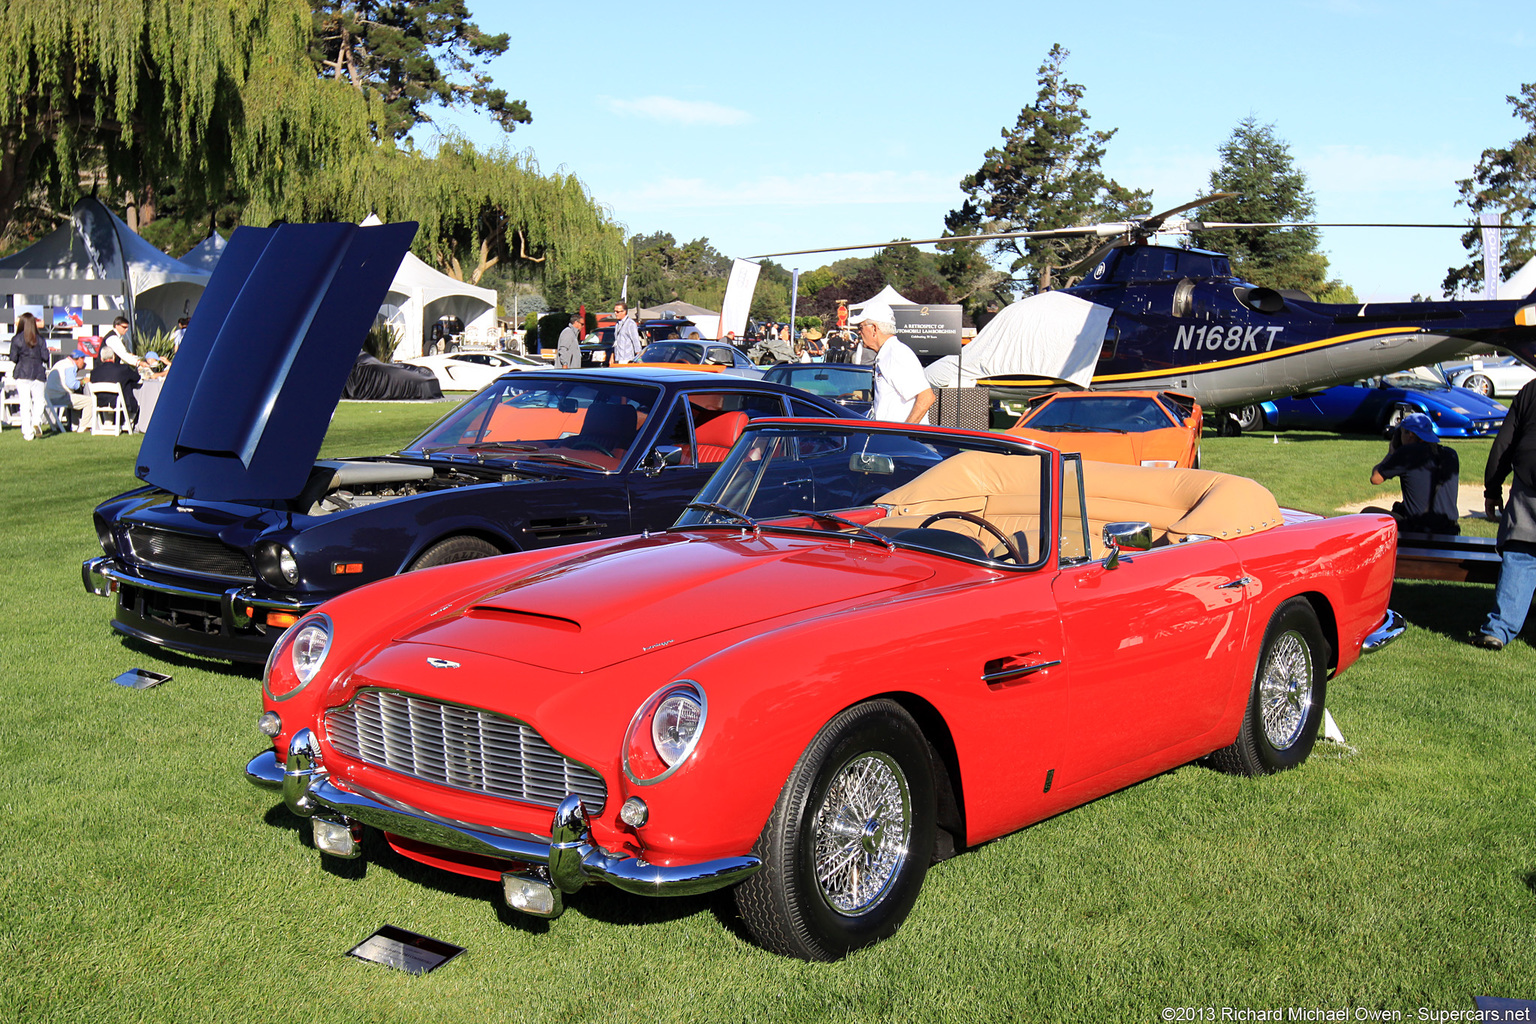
(460, 747)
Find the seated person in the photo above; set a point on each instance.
(109, 370)
(66, 390)
(1430, 474)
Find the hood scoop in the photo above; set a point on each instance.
(594, 612)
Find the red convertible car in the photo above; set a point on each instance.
(862, 648)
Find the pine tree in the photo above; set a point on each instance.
(1504, 180)
(397, 52)
(1046, 175)
(1256, 164)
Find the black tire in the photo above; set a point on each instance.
(1479, 383)
(1249, 418)
(1285, 705)
(453, 549)
(786, 907)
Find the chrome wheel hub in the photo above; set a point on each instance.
(861, 832)
(1285, 690)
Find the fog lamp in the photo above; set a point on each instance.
(338, 838)
(270, 724)
(531, 896)
(634, 813)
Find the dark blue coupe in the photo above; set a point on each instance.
(240, 530)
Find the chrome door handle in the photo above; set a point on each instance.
(1000, 670)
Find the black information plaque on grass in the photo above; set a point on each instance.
(405, 951)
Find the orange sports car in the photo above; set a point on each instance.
(1135, 428)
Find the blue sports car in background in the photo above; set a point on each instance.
(1377, 405)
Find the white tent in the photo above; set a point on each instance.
(888, 295)
(97, 246)
(1052, 334)
(205, 254)
(420, 296)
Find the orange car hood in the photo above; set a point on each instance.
(649, 594)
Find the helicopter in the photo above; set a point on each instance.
(1180, 320)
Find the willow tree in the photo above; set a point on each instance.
(477, 210)
(217, 96)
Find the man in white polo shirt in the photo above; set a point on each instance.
(902, 394)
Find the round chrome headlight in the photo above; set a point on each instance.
(664, 732)
(287, 565)
(104, 536)
(675, 726)
(276, 564)
(309, 647)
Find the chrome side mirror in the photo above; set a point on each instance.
(661, 457)
(1125, 536)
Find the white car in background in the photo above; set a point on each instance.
(471, 371)
(1493, 375)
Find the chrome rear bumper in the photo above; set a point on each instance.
(1391, 627)
(567, 859)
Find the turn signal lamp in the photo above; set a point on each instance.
(1525, 316)
(270, 724)
(282, 620)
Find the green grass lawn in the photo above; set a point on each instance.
(145, 880)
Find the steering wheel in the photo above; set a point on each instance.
(970, 517)
(585, 444)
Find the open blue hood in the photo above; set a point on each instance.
(265, 357)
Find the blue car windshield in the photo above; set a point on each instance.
(971, 498)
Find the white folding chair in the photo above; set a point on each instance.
(10, 403)
(110, 415)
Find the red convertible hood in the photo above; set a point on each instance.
(596, 611)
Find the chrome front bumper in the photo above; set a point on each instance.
(1391, 627)
(105, 577)
(566, 860)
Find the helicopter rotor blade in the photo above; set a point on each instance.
(1196, 225)
(1151, 225)
(993, 236)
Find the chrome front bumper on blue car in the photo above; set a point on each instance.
(564, 862)
(1391, 627)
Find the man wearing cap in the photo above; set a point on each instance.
(902, 394)
(1513, 455)
(65, 389)
(1430, 476)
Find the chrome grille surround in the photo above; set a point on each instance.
(461, 747)
(181, 552)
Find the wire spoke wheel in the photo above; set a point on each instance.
(862, 832)
(848, 844)
(1285, 690)
(1285, 704)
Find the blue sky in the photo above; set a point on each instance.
(768, 127)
